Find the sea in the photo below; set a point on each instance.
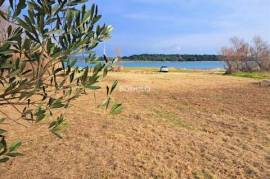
(196, 65)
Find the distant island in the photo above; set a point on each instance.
(171, 57)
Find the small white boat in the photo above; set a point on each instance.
(164, 69)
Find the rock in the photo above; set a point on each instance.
(265, 83)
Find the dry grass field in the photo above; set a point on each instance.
(175, 125)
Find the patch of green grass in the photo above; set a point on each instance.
(203, 175)
(173, 119)
(253, 75)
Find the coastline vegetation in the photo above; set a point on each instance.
(171, 57)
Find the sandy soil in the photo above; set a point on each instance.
(176, 125)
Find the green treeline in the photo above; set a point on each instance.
(172, 57)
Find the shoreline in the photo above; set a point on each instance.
(250, 75)
(172, 69)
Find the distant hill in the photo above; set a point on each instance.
(172, 57)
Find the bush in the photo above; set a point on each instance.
(245, 57)
(38, 74)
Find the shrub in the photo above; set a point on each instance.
(242, 56)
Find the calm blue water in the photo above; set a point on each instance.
(172, 64)
(175, 64)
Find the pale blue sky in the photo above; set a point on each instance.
(182, 26)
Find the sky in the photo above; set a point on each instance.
(181, 26)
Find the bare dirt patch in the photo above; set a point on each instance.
(189, 125)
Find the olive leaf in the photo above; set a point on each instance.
(40, 64)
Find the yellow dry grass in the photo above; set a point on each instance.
(175, 125)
